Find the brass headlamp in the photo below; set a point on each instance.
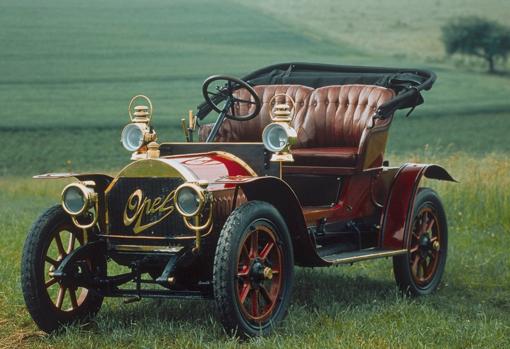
(279, 136)
(77, 200)
(137, 134)
(194, 203)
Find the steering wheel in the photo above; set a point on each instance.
(218, 91)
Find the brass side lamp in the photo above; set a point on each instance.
(279, 136)
(137, 134)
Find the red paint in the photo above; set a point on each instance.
(399, 206)
(214, 167)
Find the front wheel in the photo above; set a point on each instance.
(253, 270)
(419, 271)
(51, 303)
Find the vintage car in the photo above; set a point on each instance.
(291, 173)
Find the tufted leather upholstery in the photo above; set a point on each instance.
(331, 123)
(336, 117)
(251, 130)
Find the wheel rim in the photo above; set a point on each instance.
(259, 273)
(425, 246)
(64, 239)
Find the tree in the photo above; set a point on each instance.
(478, 37)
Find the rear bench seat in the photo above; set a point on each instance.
(331, 122)
(333, 126)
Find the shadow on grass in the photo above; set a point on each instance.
(315, 290)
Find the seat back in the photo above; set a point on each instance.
(251, 130)
(338, 115)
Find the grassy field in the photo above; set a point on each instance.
(68, 70)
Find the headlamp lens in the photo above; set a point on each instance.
(132, 137)
(74, 200)
(275, 138)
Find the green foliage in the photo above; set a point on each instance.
(478, 37)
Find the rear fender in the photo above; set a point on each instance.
(278, 193)
(396, 220)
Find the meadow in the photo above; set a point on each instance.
(68, 70)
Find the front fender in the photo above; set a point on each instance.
(278, 193)
(102, 180)
(396, 221)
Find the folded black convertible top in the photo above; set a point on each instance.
(407, 83)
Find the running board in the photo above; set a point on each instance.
(356, 256)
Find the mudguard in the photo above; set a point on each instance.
(101, 179)
(396, 222)
(278, 193)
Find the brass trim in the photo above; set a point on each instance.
(238, 160)
(147, 248)
(134, 237)
(89, 196)
(292, 111)
(201, 193)
(132, 117)
(368, 256)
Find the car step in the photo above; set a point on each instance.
(355, 256)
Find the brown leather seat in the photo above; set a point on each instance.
(251, 130)
(334, 127)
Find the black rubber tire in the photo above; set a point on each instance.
(225, 268)
(401, 263)
(43, 311)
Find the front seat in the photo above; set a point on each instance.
(251, 130)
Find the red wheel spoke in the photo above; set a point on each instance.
(246, 251)
(60, 246)
(72, 295)
(254, 244)
(266, 296)
(414, 249)
(51, 261)
(60, 297)
(424, 220)
(70, 245)
(50, 282)
(244, 272)
(430, 224)
(266, 250)
(255, 302)
(244, 292)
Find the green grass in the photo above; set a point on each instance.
(68, 70)
(348, 306)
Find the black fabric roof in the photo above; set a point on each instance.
(407, 83)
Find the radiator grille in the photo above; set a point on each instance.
(146, 219)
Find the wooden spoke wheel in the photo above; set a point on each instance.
(253, 270)
(425, 246)
(51, 302)
(64, 239)
(420, 270)
(259, 270)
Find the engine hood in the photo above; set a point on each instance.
(214, 167)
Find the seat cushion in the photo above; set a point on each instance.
(251, 130)
(325, 156)
(337, 115)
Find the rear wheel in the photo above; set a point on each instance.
(253, 270)
(420, 270)
(51, 303)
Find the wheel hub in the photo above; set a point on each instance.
(260, 272)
